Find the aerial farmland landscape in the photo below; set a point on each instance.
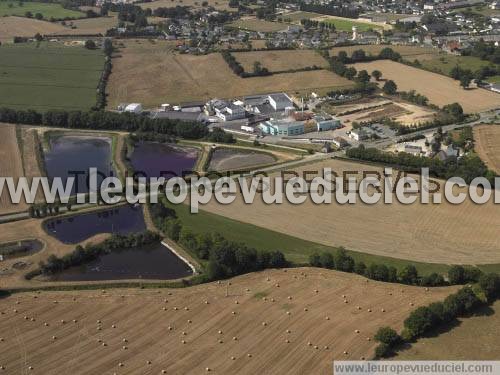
(249, 187)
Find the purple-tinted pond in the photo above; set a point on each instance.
(77, 228)
(161, 159)
(151, 262)
(77, 154)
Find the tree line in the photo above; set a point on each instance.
(467, 167)
(102, 120)
(225, 258)
(427, 319)
(408, 275)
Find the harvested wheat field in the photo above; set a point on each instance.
(89, 26)
(26, 27)
(439, 89)
(151, 73)
(309, 317)
(487, 145)
(11, 165)
(276, 61)
(435, 233)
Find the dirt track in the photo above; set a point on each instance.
(141, 319)
(433, 233)
(487, 145)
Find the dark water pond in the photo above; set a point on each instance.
(162, 160)
(68, 154)
(20, 248)
(152, 262)
(74, 229)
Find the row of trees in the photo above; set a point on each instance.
(341, 261)
(81, 255)
(237, 68)
(101, 87)
(331, 10)
(225, 258)
(102, 120)
(468, 167)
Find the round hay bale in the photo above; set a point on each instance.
(327, 318)
(316, 347)
(426, 289)
(184, 333)
(236, 302)
(316, 291)
(264, 324)
(383, 310)
(1, 339)
(120, 364)
(233, 312)
(176, 308)
(277, 285)
(113, 326)
(268, 279)
(247, 289)
(326, 347)
(98, 322)
(183, 341)
(264, 298)
(186, 308)
(221, 341)
(124, 347)
(75, 321)
(165, 300)
(62, 321)
(206, 302)
(411, 303)
(309, 343)
(346, 301)
(288, 313)
(46, 324)
(207, 369)
(30, 368)
(272, 299)
(148, 362)
(163, 371)
(220, 332)
(54, 337)
(125, 340)
(289, 297)
(345, 352)
(287, 341)
(305, 309)
(104, 344)
(356, 330)
(235, 338)
(368, 339)
(15, 310)
(190, 321)
(164, 309)
(233, 358)
(369, 310)
(2, 367)
(169, 328)
(358, 307)
(249, 355)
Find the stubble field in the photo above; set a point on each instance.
(439, 89)
(151, 73)
(435, 233)
(10, 165)
(280, 60)
(26, 27)
(487, 145)
(300, 313)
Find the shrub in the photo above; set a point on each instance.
(419, 322)
(433, 279)
(327, 260)
(383, 351)
(315, 260)
(490, 284)
(409, 275)
(387, 335)
(456, 275)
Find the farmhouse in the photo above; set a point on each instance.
(282, 127)
(358, 134)
(133, 107)
(413, 149)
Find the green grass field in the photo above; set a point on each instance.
(49, 76)
(295, 249)
(444, 64)
(48, 10)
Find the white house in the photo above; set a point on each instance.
(230, 112)
(133, 107)
(358, 134)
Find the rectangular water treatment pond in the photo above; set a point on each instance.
(77, 228)
(155, 262)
